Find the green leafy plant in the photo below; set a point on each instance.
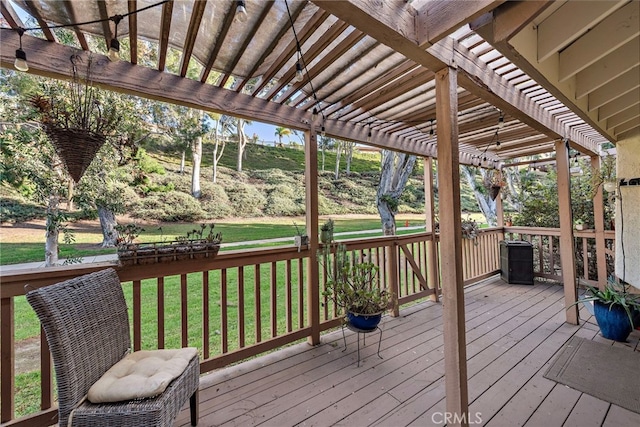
(351, 283)
(469, 228)
(326, 231)
(606, 172)
(615, 294)
(127, 234)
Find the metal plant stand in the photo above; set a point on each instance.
(360, 331)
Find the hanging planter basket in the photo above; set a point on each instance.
(76, 147)
(495, 190)
(151, 253)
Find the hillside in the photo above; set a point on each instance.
(271, 184)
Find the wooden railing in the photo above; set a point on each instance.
(236, 306)
(546, 252)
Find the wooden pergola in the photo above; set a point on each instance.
(435, 78)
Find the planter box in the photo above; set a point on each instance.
(151, 253)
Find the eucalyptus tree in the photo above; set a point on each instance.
(395, 172)
(480, 188)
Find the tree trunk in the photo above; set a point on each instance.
(52, 231)
(107, 224)
(70, 189)
(196, 154)
(338, 152)
(182, 162)
(216, 156)
(349, 148)
(486, 205)
(323, 158)
(396, 169)
(242, 143)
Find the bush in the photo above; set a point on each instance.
(15, 209)
(171, 206)
(246, 199)
(215, 201)
(283, 200)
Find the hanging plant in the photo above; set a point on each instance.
(77, 118)
(606, 175)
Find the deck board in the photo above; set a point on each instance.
(513, 333)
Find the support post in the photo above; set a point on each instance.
(567, 256)
(432, 245)
(455, 352)
(392, 277)
(311, 201)
(598, 220)
(7, 353)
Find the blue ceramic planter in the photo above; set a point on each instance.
(614, 324)
(364, 322)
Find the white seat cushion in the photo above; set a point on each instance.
(141, 374)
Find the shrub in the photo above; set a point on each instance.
(246, 199)
(171, 206)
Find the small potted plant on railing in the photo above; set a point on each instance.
(508, 221)
(351, 284)
(615, 309)
(326, 232)
(578, 224)
(198, 243)
(301, 238)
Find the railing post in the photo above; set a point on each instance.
(567, 255)
(7, 359)
(392, 277)
(431, 245)
(311, 197)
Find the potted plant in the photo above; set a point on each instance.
(326, 232)
(198, 243)
(578, 224)
(508, 221)
(605, 175)
(301, 238)
(614, 308)
(351, 284)
(469, 228)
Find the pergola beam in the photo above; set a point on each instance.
(51, 60)
(398, 33)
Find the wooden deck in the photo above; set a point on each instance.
(513, 332)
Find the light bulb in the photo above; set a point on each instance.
(497, 145)
(241, 12)
(501, 121)
(323, 132)
(114, 50)
(314, 113)
(21, 61)
(369, 136)
(299, 75)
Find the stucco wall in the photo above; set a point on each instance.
(628, 213)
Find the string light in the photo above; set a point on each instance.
(241, 11)
(323, 131)
(431, 129)
(114, 47)
(369, 134)
(299, 74)
(21, 57)
(501, 120)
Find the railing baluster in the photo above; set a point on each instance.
(274, 299)
(224, 323)
(183, 310)
(46, 377)
(137, 316)
(7, 355)
(287, 290)
(258, 311)
(161, 313)
(301, 306)
(241, 341)
(205, 315)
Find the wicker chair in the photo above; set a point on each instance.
(87, 327)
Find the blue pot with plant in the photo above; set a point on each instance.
(614, 308)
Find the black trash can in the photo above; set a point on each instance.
(516, 262)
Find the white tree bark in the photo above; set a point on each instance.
(218, 150)
(349, 152)
(336, 173)
(242, 143)
(107, 224)
(182, 162)
(486, 205)
(52, 231)
(396, 169)
(196, 153)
